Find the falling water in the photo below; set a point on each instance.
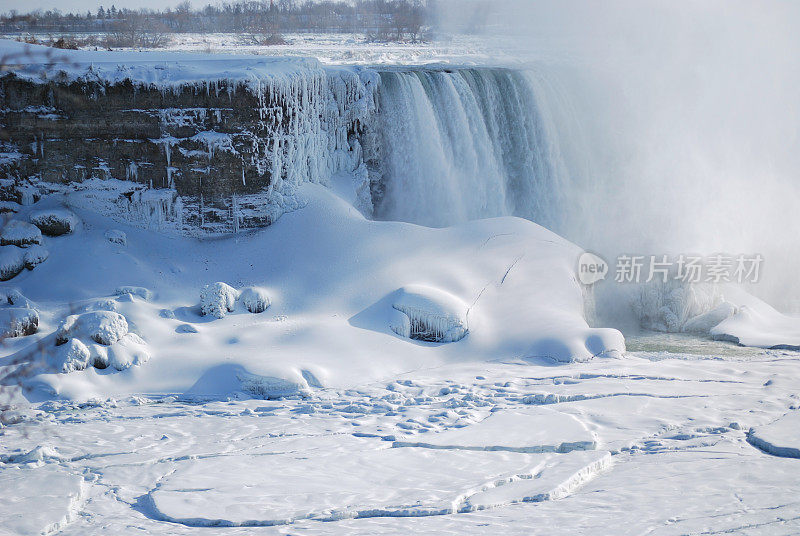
(464, 144)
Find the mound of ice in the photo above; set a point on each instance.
(12, 262)
(54, 222)
(20, 233)
(18, 321)
(141, 292)
(254, 299)
(780, 438)
(431, 315)
(218, 299)
(115, 236)
(670, 306)
(34, 256)
(103, 327)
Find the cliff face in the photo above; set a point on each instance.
(196, 157)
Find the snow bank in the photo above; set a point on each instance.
(54, 222)
(218, 299)
(20, 233)
(433, 315)
(759, 325)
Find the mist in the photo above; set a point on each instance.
(679, 125)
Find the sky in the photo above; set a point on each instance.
(65, 6)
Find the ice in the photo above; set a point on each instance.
(254, 299)
(20, 233)
(432, 315)
(705, 322)
(43, 501)
(757, 324)
(780, 438)
(534, 430)
(218, 299)
(54, 222)
(672, 305)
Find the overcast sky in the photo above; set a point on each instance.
(65, 6)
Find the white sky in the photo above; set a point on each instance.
(65, 6)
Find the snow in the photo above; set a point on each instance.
(20, 233)
(54, 222)
(115, 236)
(254, 299)
(780, 438)
(12, 262)
(18, 321)
(103, 327)
(757, 324)
(218, 299)
(34, 256)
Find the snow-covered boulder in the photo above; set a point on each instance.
(12, 262)
(143, 293)
(20, 233)
(12, 296)
(433, 315)
(18, 321)
(103, 327)
(71, 356)
(115, 236)
(217, 299)
(254, 299)
(54, 222)
(129, 351)
(34, 256)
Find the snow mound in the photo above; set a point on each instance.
(116, 236)
(432, 315)
(141, 292)
(270, 388)
(54, 222)
(759, 325)
(18, 322)
(780, 438)
(12, 296)
(705, 322)
(20, 233)
(218, 299)
(186, 328)
(34, 256)
(12, 262)
(71, 356)
(103, 327)
(254, 299)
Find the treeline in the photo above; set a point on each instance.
(264, 21)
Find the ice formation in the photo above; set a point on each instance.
(431, 315)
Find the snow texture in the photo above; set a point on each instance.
(115, 236)
(780, 438)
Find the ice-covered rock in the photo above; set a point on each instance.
(20, 233)
(254, 299)
(12, 262)
(217, 299)
(705, 322)
(34, 256)
(103, 327)
(18, 321)
(115, 236)
(669, 306)
(433, 315)
(144, 293)
(54, 222)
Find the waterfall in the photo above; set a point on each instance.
(461, 144)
